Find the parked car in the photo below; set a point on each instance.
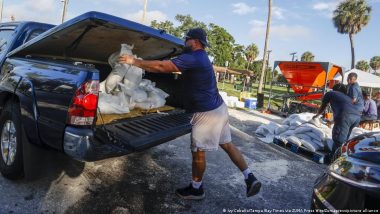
(352, 181)
(49, 90)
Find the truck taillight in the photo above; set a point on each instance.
(83, 108)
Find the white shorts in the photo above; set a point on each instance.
(210, 129)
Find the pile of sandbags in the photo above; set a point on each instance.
(299, 129)
(124, 89)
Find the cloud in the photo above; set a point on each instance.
(38, 10)
(283, 32)
(257, 23)
(242, 8)
(150, 16)
(326, 8)
(321, 6)
(278, 13)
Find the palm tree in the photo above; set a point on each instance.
(362, 65)
(251, 53)
(375, 63)
(349, 18)
(260, 94)
(307, 57)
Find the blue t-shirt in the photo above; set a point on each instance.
(201, 92)
(340, 103)
(355, 92)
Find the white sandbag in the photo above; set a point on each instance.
(154, 100)
(160, 93)
(319, 143)
(281, 129)
(268, 129)
(312, 135)
(133, 77)
(139, 95)
(294, 140)
(287, 133)
(147, 85)
(111, 104)
(126, 90)
(113, 79)
(304, 137)
(309, 145)
(102, 87)
(113, 59)
(357, 131)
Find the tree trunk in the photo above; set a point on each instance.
(260, 89)
(352, 50)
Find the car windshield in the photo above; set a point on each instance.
(5, 37)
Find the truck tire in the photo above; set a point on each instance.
(11, 157)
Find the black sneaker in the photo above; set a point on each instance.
(191, 193)
(253, 185)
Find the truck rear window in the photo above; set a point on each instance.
(5, 37)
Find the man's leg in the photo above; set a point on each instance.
(235, 155)
(195, 190)
(253, 185)
(354, 123)
(198, 165)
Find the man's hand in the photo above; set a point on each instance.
(127, 59)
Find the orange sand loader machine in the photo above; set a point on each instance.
(309, 81)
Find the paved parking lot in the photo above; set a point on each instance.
(145, 182)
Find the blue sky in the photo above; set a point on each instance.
(297, 25)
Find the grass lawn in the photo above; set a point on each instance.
(229, 88)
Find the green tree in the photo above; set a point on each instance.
(187, 23)
(238, 59)
(221, 44)
(281, 78)
(349, 18)
(362, 65)
(375, 63)
(251, 52)
(307, 57)
(256, 67)
(167, 26)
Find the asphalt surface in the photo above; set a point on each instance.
(145, 182)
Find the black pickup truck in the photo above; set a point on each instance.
(49, 89)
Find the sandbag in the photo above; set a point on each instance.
(294, 140)
(310, 145)
(139, 95)
(116, 76)
(102, 87)
(111, 104)
(147, 85)
(154, 101)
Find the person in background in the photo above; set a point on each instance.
(346, 115)
(377, 100)
(355, 92)
(370, 108)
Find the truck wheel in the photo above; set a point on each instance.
(11, 161)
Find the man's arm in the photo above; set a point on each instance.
(352, 93)
(321, 110)
(154, 66)
(325, 101)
